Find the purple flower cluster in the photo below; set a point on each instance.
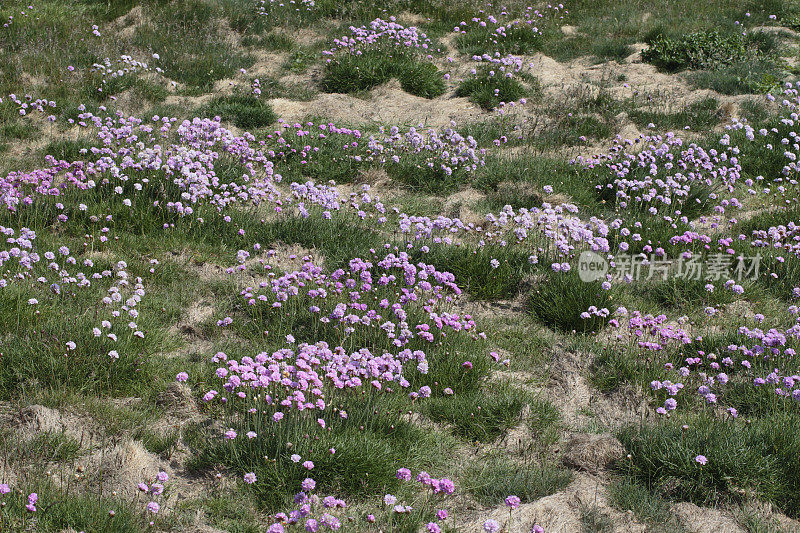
(381, 34)
(154, 492)
(761, 359)
(660, 178)
(499, 27)
(124, 66)
(286, 8)
(27, 104)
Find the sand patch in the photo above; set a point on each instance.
(37, 419)
(463, 205)
(592, 453)
(560, 512)
(705, 520)
(291, 257)
(580, 405)
(388, 104)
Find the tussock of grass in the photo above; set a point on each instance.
(478, 416)
(59, 511)
(758, 458)
(492, 479)
(745, 77)
(698, 116)
(473, 271)
(558, 300)
(683, 294)
(70, 150)
(365, 462)
(627, 495)
(611, 50)
(418, 173)
(210, 57)
(11, 131)
(43, 448)
(526, 174)
(422, 79)
(162, 444)
(83, 370)
(245, 111)
(355, 73)
(228, 511)
(516, 194)
(518, 40)
(611, 370)
(271, 41)
(594, 520)
(489, 90)
(573, 130)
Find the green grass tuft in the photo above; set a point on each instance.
(558, 300)
(757, 458)
(245, 111)
(355, 73)
(700, 50)
(488, 91)
(492, 479)
(698, 116)
(478, 416)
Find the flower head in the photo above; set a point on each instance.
(512, 502)
(491, 526)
